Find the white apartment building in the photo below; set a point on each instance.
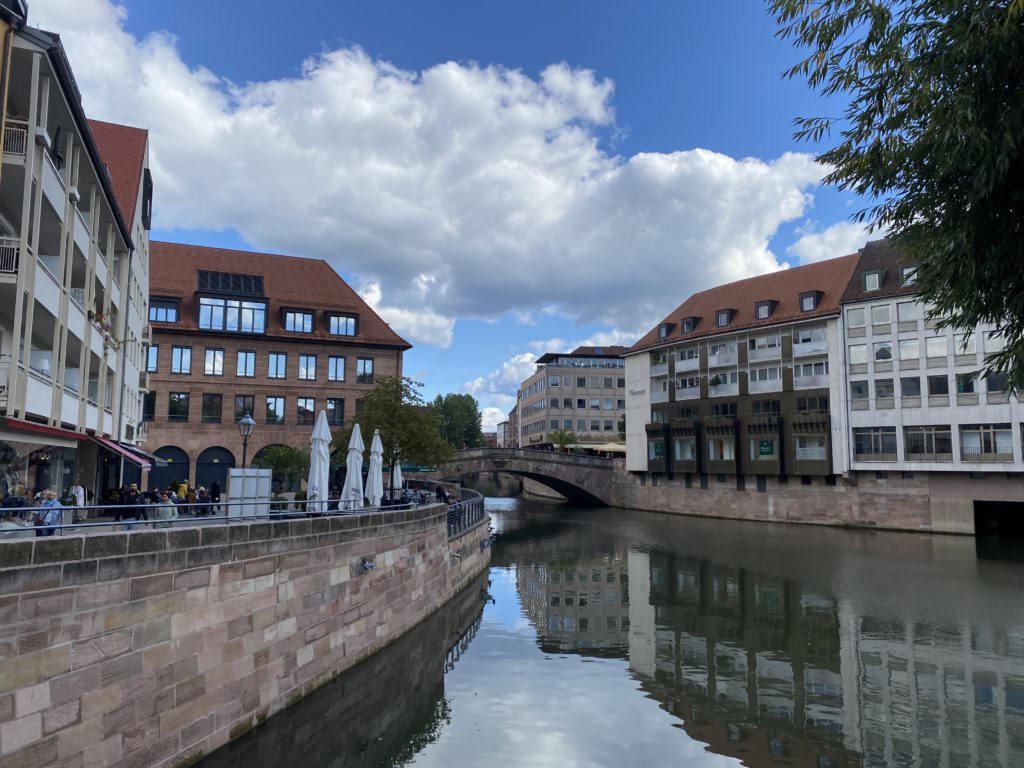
(73, 277)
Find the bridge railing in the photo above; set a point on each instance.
(532, 454)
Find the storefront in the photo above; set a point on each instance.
(34, 458)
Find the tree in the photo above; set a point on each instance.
(459, 417)
(933, 136)
(562, 439)
(409, 430)
(287, 465)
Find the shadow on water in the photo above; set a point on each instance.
(379, 713)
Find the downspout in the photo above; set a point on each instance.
(124, 360)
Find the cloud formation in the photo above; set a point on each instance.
(840, 239)
(456, 191)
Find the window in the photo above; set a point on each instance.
(181, 359)
(567, 381)
(335, 411)
(655, 450)
(721, 448)
(765, 407)
(246, 364)
(567, 403)
(996, 381)
(858, 354)
(723, 409)
(213, 365)
(275, 409)
(342, 325)
(335, 368)
(277, 365)
(581, 403)
(688, 325)
(883, 351)
(663, 330)
(935, 346)
(763, 449)
(608, 382)
(765, 374)
(298, 322)
(910, 349)
(910, 386)
(764, 343)
(986, 442)
(211, 408)
(859, 390)
(163, 311)
(608, 403)
(177, 406)
(620, 405)
(722, 317)
(595, 425)
(595, 403)
(817, 403)
(855, 318)
(152, 355)
(232, 315)
(872, 281)
(966, 383)
(815, 373)
(307, 367)
(553, 403)
(964, 344)
(881, 315)
(554, 381)
(608, 426)
(810, 448)
(763, 310)
(809, 301)
(305, 410)
(581, 381)
(994, 341)
(884, 389)
(908, 311)
(364, 370)
(928, 443)
(874, 443)
(938, 385)
(909, 275)
(684, 448)
(149, 406)
(243, 406)
(581, 425)
(811, 336)
(227, 282)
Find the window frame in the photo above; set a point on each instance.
(333, 320)
(282, 369)
(245, 354)
(181, 360)
(207, 358)
(289, 316)
(307, 372)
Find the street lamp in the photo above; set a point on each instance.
(246, 425)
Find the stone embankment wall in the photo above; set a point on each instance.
(154, 648)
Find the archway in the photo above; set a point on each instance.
(213, 465)
(177, 467)
(281, 483)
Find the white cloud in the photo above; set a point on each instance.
(505, 379)
(838, 240)
(491, 417)
(457, 191)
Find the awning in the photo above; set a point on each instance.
(156, 461)
(39, 433)
(609, 447)
(117, 448)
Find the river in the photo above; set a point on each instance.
(609, 637)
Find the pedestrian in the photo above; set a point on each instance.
(78, 491)
(165, 511)
(215, 496)
(203, 501)
(51, 515)
(183, 489)
(133, 504)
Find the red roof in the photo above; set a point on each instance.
(288, 282)
(123, 150)
(830, 277)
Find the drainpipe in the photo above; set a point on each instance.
(124, 359)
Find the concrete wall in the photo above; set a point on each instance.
(153, 648)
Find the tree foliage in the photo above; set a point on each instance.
(933, 136)
(562, 439)
(288, 465)
(409, 430)
(459, 419)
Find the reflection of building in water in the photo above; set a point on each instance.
(759, 668)
(578, 606)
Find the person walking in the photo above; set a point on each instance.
(215, 496)
(78, 492)
(165, 511)
(133, 504)
(51, 515)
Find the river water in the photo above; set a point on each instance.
(609, 637)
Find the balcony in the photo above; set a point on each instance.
(810, 421)
(659, 395)
(817, 347)
(723, 388)
(16, 137)
(981, 456)
(10, 251)
(659, 369)
(687, 363)
(5, 369)
(724, 357)
(929, 456)
(814, 381)
(364, 378)
(768, 353)
(875, 457)
(772, 385)
(687, 393)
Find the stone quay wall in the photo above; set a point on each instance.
(154, 648)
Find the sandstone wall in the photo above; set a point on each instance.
(157, 647)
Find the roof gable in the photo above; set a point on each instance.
(123, 150)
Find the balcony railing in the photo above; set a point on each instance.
(15, 137)
(978, 455)
(725, 388)
(810, 348)
(687, 393)
(10, 249)
(659, 369)
(771, 385)
(687, 363)
(364, 378)
(722, 358)
(875, 457)
(5, 367)
(810, 382)
(764, 353)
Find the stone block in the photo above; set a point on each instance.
(71, 686)
(172, 560)
(57, 549)
(146, 541)
(151, 632)
(240, 626)
(183, 538)
(213, 535)
(15, 553)
(99, 701)
(121, 668)
(34, 755)
(190, 689)
(104, 753)
(100, 595)
(237, 534)
(106, 545)
(208, 556)
(198, 577)
(148, 586)
(19, 733)
(260, 567)
(62, 716)
(248, 550)
(198, 730)
(82, 572)
(259, 531)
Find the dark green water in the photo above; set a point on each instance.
(617, 638)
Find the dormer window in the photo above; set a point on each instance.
(763, 309)
(688, 324)
(342, 325)
(723, 317)
(163, 311)
(664, 329)
(809, 300)
(909, 275)
(298, 321)
(873, 280)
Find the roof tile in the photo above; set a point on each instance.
(123, 150)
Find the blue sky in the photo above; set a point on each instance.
(498, 180)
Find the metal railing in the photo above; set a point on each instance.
(15, 137)
(10, 248)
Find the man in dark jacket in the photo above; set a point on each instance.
(133, 504)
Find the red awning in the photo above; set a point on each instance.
(110, 445)
(31, 426)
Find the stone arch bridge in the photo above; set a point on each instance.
(581, 479)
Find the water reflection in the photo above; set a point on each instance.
(798, 647)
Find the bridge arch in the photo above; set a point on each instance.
(581, 479)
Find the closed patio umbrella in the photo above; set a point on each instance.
(396, 482)
(375, 479)
(319, 463)
(352, 493)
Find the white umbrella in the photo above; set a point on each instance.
(375, 479)
(319, 464)
(396, 481)
(352, 493)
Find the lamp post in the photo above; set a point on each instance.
(246, 425)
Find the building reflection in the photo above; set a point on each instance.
(764, 670)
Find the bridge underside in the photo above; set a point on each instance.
(574, 494)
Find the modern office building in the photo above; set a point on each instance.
(501, 435)
(75, 199)
(582, 392)
(736, 382)
(235, 333)
(512, 435)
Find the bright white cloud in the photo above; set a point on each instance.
(491, 417)
(838, 240)
(456, 191)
